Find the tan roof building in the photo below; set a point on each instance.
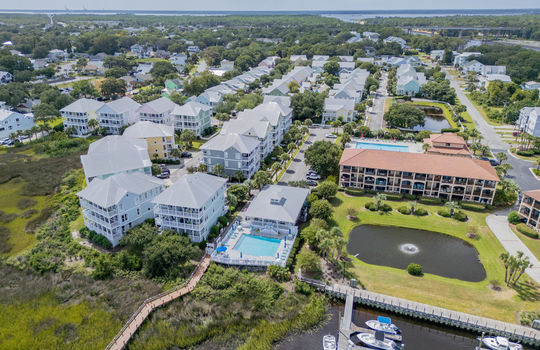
(447, 143)
(433, 175)
(529, 209)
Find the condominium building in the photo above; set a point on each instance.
(115, 154)
(77, 114)
(235, 152)
(529, 209)
(191, 205)
(159, 138)
(157, 111)
(409, 82)
(258, 129)
(335, 108)
(193, 116)
(114, 115)
(279, 117)
(431, 175)
(113, 205)
(277, 209)
(529, 120)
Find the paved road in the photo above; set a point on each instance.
(177, 172)
(499, 226)
(376, 116)
(491, 138)
(298, 169)
(520, 172)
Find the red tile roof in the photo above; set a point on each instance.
(447, 137)
(534, 194)
(433, 164)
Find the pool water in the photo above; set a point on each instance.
(382, 146)
(257, 246)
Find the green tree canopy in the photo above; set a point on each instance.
(404, 115)
(323, 157)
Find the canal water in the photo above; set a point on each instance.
(417, 335)
(397, 247)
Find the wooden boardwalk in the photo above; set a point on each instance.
(525, 335)
(150, 304)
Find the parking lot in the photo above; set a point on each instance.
(298, 170)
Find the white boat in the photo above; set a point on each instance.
(500, 343)
(377, 341)
(329, 342)
(383, 324)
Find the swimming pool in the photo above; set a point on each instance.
(382, 146)
(257, 246)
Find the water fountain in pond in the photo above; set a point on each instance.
(409, 248)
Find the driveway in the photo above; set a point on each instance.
(298, 169)
(376, 116)
(499, 226)
(177, 171)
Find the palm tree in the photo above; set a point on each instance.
(501, 157)
(175, 152)
(336, 237)
(308, 122)
(345, 139)
(503, 169)
(379, 198)
(453, 206)
(304, 130)
(93, 124)
(70, 131)
(284, 157)
(238, 175)
(276, 167)
(291, 147)
(202, 168)
(249, 183)
(413, 205)
(323, 241)
(537, 162)
(426, 147)
(336, 124)
(34, 130)
(505, 257)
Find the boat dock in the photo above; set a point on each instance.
(522, 334)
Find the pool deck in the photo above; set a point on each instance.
(232, 256)
(414, 147)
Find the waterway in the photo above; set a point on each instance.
(433, 124)
(397, 247)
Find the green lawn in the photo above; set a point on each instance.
(470, 297)
(483, 112)
(19, 239)
(531, 243)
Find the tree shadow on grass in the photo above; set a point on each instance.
(336, 202)
(527, 291)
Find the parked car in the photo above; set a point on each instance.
(331, 136)
(163, 176)
(492, 161)
(186, 155)
(311, 183)
(313, 177)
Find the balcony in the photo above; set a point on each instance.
(421, 177)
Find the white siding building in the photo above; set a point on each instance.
(11, 122)
(112, 206)
(191, 205)
(157, 111)
(78, 114)
(276, 209)
(193, 116)
(529, 120)
(117, 114)
(335, 108)
(113, 155)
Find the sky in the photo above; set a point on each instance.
(260, 5)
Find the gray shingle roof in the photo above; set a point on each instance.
(122, 105)
(161, 105)
(275, 202)
(191, 108)
(146, 129)
(191, 191)
(114, 154)
(83, 105)
(241, 143)
(248, 127)
(111, 190)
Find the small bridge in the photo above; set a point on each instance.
(152, 303)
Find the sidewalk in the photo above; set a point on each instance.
(499, 226)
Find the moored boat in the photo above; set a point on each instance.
(377, 341)
(500, 343)
(383, 324)
(329, 342)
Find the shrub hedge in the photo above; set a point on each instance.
(410, 197)
(385, 208)
(95, 238)
(472, 206)
(414, 269)
(526, 230)
(460, 216)
(394, 197)
(528, 153)
(444, 212)
(354, 191)
(513, 217)
(404, 210)
(371, 206)
(450, 130)
(429, 200)
(420, 212)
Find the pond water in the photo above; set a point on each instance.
(439, 254)
(434, 124)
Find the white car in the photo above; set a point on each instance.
(331, 136)
(313, 177)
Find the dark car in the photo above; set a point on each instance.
(163, 176)
(186, 155)
(311, 183)
(492, 161)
